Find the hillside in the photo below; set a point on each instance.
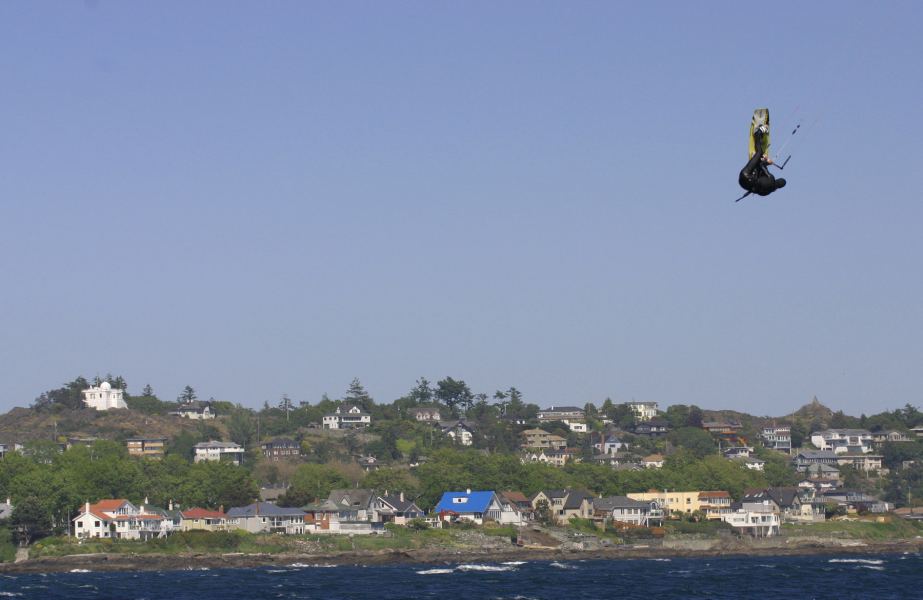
(23, 424)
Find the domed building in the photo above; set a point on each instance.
(104, 397)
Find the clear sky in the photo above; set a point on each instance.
(275, 197)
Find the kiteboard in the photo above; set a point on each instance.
(760, 117)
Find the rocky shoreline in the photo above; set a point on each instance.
(193, 561)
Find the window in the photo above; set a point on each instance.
(95, 523)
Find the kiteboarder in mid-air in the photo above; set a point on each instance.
(755, 176)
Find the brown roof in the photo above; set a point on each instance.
(107, 505)
(714, 495)
(514, 496)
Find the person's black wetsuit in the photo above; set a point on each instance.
(755, 176)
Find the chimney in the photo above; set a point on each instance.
(468, 491)
(402, 496)
(87, 507)
(170, 505)
(221, 508)
(146, 501)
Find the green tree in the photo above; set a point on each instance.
(30, 520)
(357, 396)
(698, 441)
(315, 482)
(241, 428)
(187, 396)
(453, 393)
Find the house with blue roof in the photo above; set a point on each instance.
(476, 506)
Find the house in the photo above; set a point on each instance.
(619, 460)
(622, 509)
(738, 451)
(786, 501)
(347, 416)
(195, 410)
(672, 501)
(757, 519)
(7, 447)
(475, 506)
(883, 437)
(200, 519)
(104, 397)
(564, 504)
(714, 504)
(118, 519)
(822, 472)
(652, 461)
(265, 517)
(395, 508)
(557, 458)
(368, 463)
(842, 441)
(655, 427)
(917, 431)
(861, 462)
(572, 416)
(462, 433)
(281, 448)
(354, 504)
(777, 438)
(643, 411)
(427, 414)
(855, 501)
(805, 458)
(517, 500)
(726, 431)
(73, 442)
(539, 438)
(608, 443)
(754, 464)
(146, 447)
(214, 450)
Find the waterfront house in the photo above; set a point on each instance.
(118, 518)
(714, 503)
(564, 504)
(683, 502)
(265, 517)
(475, 506)
(758, 519)
(200, 519)
(395, 508)
(622, 509)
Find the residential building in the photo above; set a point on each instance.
(754, 464)
(427, 414)
(347, 416)
(622, 509)
(786, 501)
(917, 430)
(146, 447)
(757, 519)
(656, 427)
(842, 441)
(195, 410)
(557, 458)
(619, 460)
(652, 461)
(714, 504)
(608, 443)
(200, 519)
(353, 504)
(738, 451)
(214, 450)
(643, 411)
(778, 438)
(265, 517)
(7, 447)
(460, 431)
(368, 463)
(822, 472)
(539, 438)
(728, 433)
(476, 506)
(672, 501)
(118, 519)
(395, 508)
(572, 416)
(104, 397)
(883, 437)
(804, 458)
(861, 462)
(281, 448)
(80, 441)
(564, 504)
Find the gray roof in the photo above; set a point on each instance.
(815, 454)
(395, 502)
(263, 509)
(575, 499)
(612, 502)
(356, 498)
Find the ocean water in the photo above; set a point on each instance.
(839, 577)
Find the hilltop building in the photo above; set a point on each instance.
(104, 397)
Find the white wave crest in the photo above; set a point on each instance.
(515, 563)
(861, 561)
(435, 571)
(558, 565)
(80, 571)
(490, 568)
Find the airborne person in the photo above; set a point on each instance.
(755, 176)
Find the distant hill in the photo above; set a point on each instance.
(814, 410)
(24, 424)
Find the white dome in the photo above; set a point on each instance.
(105, 386)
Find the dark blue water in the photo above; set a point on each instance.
(789, 578)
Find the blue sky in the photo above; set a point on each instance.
(266, 198)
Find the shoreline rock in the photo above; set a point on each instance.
(436, 556)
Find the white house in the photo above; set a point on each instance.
(460, 432)
(213, 450)
(626, 510)
(104, 397)
(427, 414)
(842, 441)
(477, 507)
(758, 519)
(347, 417)
(119, 518)
(199, 411)
(643, 411)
